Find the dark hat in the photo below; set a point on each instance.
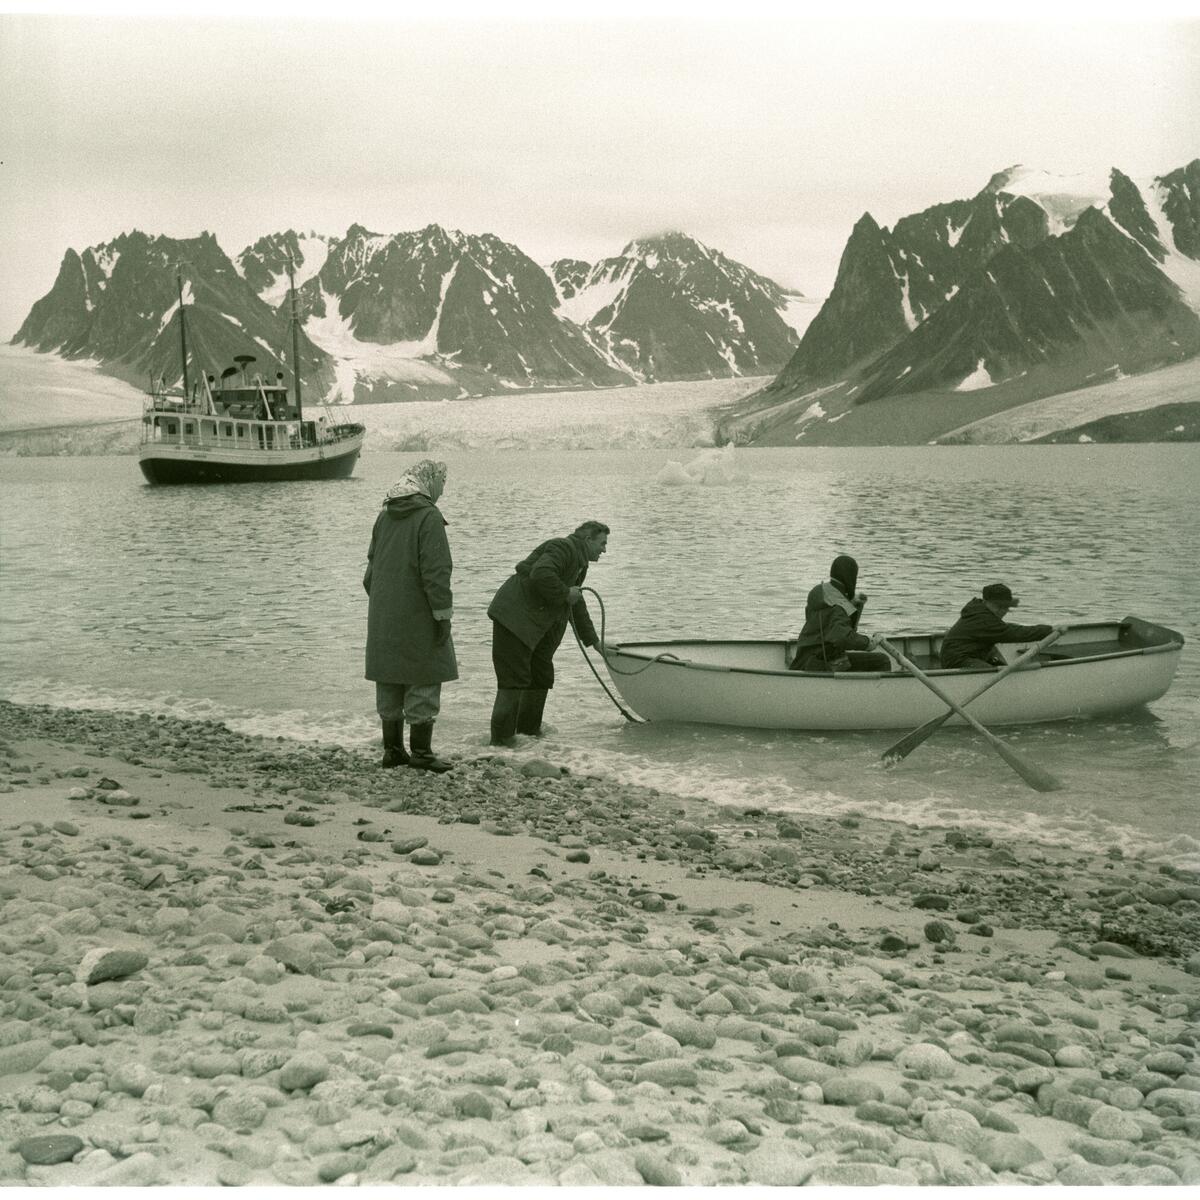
(1000, 593)
(845, 571)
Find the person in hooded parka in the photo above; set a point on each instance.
(410, 653)
(831, 615)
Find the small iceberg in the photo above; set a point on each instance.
(710, 468)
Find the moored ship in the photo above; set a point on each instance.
(241, 428)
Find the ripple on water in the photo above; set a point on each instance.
(245, 604)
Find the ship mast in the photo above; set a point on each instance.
(295, 340)
(183, 337)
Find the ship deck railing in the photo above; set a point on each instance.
(195, 441)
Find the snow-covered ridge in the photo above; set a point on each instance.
(1063, 197)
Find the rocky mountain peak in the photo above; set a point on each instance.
(428, 313)
(670, 245)
(1001, 179)
(1038, 284)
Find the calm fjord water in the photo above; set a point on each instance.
(244, 604)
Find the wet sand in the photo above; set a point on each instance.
(230, 960)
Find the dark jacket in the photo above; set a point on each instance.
(533, 600)
(408, 582)
(978, 629)
(830, 623)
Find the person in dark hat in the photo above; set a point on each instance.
(971, 640)
(831, 615)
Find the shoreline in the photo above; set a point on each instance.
(257, 962)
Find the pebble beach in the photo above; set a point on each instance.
(229, 960)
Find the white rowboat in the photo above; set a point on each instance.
(1093, 669)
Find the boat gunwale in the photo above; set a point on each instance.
(625, 649)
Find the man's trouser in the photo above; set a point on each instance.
(520, 666)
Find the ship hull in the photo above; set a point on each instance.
(172, 465)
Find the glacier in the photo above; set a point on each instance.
(53, 405)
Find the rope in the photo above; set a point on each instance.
(616, 671)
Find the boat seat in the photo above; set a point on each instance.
(869, 660)
(1079, 650)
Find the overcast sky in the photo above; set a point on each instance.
(765, 138)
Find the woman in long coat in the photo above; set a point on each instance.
(410, 653)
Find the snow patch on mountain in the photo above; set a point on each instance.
(105, 258)
(978, 378)
(314, 250)
(188, 298)
(1182, 271)
(592, 298)
(401, 362)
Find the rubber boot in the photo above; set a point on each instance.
(529, 715)
(504, 715)
(394, 754)
(420, 739)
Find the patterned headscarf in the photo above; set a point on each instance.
(421, 478)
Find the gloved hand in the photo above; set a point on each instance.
(574, 595)
(441, 633)
(860, 599)
(875, 639)
(1061, 628)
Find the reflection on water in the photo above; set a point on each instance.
(245, 603)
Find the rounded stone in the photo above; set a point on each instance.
(668, 1072)
(1113, 1124)
(45, 1150)
(777, 1163)
(1165, 1062)
(926, 1061)
(133, 1078)
(303, 1071)
(849, 1090)
(104, 963)
(656, 1045)
(1073, 1056)
(687, 1031)
(656, 1170)
(954, 1126)
(601, 1004)
(239, 1112)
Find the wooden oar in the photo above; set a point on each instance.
(1041, 780)
(910, 741)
